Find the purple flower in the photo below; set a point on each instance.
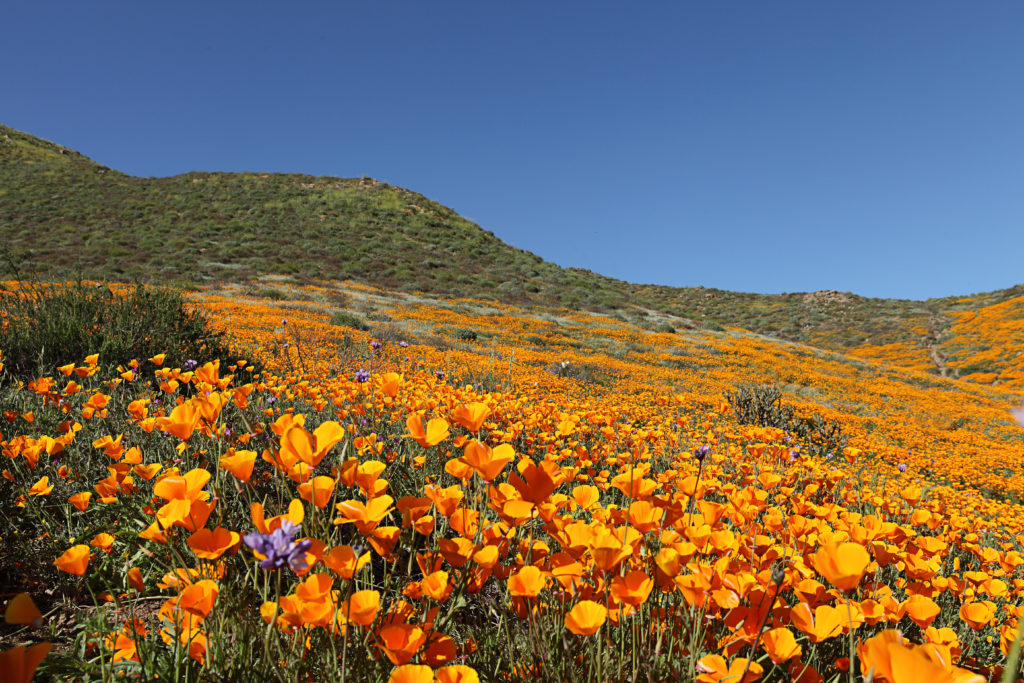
(284, 321)
(362, 376)
(701, 452)
(902, 467)
(375, 345)
(279, 547)
(403, 344)
(190, 364)
(440, 375)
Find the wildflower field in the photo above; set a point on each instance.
(363, 485)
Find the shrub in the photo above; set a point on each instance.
(48, 325)
(346, 319)
(465, 334)
(763, 406)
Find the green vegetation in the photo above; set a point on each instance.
(46, 326)
(198, 228)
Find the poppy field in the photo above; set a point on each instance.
(384, 486)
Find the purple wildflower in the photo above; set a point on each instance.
(902, 467)
(701, 452)
(375, 345)
(279, 547)
(440, 375)
(191, 364)
(362, 376)
(404, 344)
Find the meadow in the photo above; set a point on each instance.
(304, 480)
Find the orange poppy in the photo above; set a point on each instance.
(586, 617)
(74, 560)
(471, 415)
(527, 582)
(21, 610)
(210, 544)
(713, 668)
(19, 664)
(435, 432)
(487, 462)
(342, 561)
(457, 673)
(843, 564)
(412, 673)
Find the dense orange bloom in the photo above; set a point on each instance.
(342, 561)
(633, 588)
(74, 560)
(843, 564)
(41, 487)
(586, 617)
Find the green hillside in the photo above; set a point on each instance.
(64, 216)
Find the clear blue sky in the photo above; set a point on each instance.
(757, 146)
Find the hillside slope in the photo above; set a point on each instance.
(63, 216)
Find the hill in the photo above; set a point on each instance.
(63, 215)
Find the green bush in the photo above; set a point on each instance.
(763, 406)
(346, 319)
(50, 325)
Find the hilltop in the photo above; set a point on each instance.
(63, 216)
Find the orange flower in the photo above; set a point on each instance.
(713, 668)
(486, 462)
(366, 516)
(360, 609)
(135, 579)
(80, 500)
(317, 491)
(435, 433)
(824, 623)
(199, 597)
(457, 673)
(19, 664)
(922, 610)
(401, 642)
(977, 614)
(182, 421)
(633, 588)
(240, 464)
(586, 618)
(780, 644)
(843, 564)
(210, 544)
(74, 560)
(311, 448)
(103, 541)
(527, 582)
(41, 487)
(21, 610)
(471, 415)
(412, 673)
(342, 561)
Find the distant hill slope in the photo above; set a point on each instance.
(63, 215)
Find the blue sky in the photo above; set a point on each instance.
(871, 147)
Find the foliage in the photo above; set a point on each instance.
(45, 325)
(762, 406)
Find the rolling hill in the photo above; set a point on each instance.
(64, 216)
